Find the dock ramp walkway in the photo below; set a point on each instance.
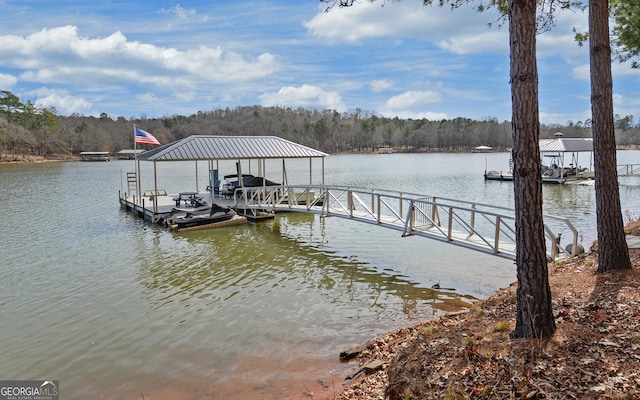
(628, 169)
(482, 227)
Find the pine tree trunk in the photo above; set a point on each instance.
(613, 252)
(534, 318)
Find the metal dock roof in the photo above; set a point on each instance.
(203, 147)
(566, 145)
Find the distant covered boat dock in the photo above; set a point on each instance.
(560, 161)
(95, 156)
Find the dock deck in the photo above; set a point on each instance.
(144, 207)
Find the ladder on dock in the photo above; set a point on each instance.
(483, 227)
(132, 183)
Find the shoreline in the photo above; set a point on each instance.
(29, 158)
(462, 354)
(6, 158)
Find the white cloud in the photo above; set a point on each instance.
(146, 97)
(64, 103)
(562, 119)
(625, 105)
(461, 30)
(411, 98)
(185, 96)
(7, 80)
(557, 50)
(618, 71)
(61, 55)
(305, 96)
(581, 72)
(432, 116)
(179, 12)
(182, 16)
(380, 85)
(405, 104)
(483, 42)
(562, 44)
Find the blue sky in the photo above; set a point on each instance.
(159, 58)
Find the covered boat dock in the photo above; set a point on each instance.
(95, 156)
(561, 162)
(261, 152)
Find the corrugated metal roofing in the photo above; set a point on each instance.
(201, 147)
(566, 145)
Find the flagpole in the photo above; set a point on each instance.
(135, 158)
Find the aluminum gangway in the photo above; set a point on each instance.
(628, 169)
(482, 227)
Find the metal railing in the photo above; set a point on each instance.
(628, 169)
(477, 226)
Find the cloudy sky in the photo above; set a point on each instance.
(135, 58)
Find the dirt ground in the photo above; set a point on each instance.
(595, 353)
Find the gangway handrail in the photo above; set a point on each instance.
(413, 214)
(628, 169)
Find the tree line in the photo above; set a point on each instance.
(28, 130)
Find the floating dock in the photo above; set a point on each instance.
(156, 206)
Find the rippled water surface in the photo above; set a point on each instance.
(115, 308)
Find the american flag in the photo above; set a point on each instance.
(144, 137)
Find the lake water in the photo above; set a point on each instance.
(116, 308)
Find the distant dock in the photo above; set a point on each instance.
(95, 156)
